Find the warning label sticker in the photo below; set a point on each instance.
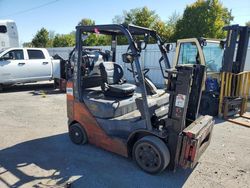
(180, 100)
(69, 91)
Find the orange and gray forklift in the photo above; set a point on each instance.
(158, 128)
(227, 85)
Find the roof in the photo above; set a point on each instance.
(6, 21)
(115, 29)
(19, 48)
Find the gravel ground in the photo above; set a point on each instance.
(35, 151)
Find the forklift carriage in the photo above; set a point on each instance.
(158, 128)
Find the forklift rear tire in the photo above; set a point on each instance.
(151, 154)
(77, 134)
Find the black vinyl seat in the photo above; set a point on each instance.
(113, 85)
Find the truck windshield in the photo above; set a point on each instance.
(213, 56)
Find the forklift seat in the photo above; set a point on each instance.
(113, 85)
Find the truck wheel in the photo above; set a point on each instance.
(77, 134)
(151, 154)
(1, 87)
(209, 104)
(56, 83)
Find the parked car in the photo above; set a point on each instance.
(22, 65)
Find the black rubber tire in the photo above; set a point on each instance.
(77, 134)
(56, 83)
(151, 154)
(209, 104)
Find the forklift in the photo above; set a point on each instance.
(157, 128)
(227, 85)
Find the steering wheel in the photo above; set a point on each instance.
(211, 66)
(210, 61)
(106, 55)
(145, 71)
(88, 63)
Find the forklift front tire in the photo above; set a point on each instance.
(77, 134)
(151, 154)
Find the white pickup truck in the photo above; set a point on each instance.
(22, 65)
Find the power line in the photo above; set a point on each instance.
(30, 9)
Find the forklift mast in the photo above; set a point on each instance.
(236, 44)
(234, 91)
(185, 88)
